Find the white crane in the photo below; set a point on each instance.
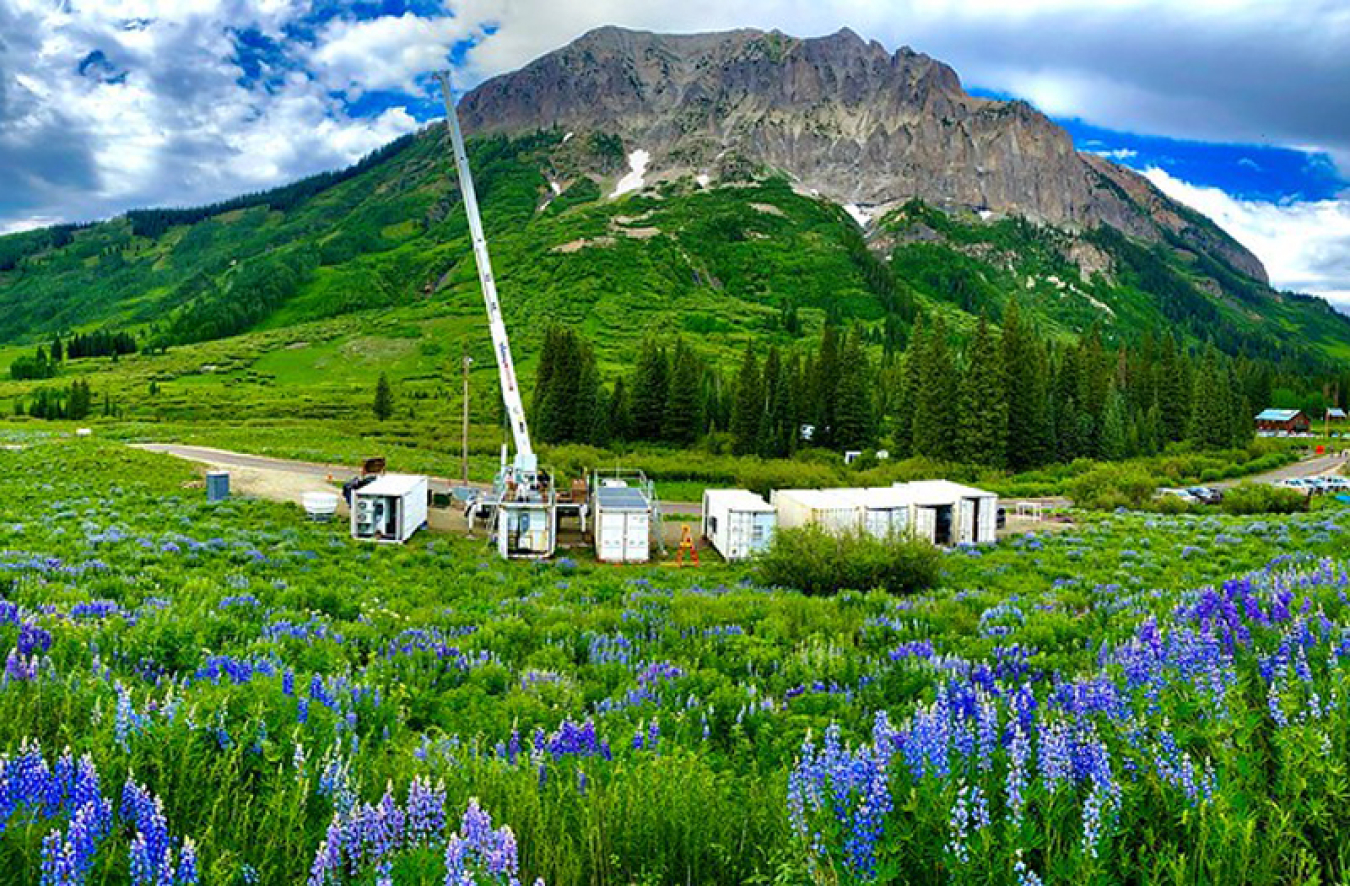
(501, 344)
(526, 509)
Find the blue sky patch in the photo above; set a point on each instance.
(1249, 172)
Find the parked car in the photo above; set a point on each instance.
(1205, 494)
(1182, 494)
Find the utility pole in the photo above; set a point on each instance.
(464, 442)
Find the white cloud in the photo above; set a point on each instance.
(385, 53)
(1304, 245)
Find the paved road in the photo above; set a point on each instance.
(223, 458)
(1308, 467)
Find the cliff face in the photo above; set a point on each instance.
(841, 116)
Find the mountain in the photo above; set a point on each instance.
(840, 116)
(730, 186)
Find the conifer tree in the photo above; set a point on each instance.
(825, 383)
(383, 405)
(683, 420)
(907, 393)
(1026, 367)
(650, 390)
(771, 442)
(855, 426)
(935, 397)
(620, 419)
(1115, 443)
(747, 415)
(982, 402)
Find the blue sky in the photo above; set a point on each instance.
(1238, 107)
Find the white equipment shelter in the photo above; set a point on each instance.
(391, 509)
(947, 513)
(737, 523)
(622, 525)
(834, 510)
(886, 510)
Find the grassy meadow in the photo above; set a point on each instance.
(230, 694)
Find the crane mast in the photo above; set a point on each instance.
(525, 461)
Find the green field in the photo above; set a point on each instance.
(1136, 699)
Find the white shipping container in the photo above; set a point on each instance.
(622, 525)
(886, 510)
(391, 509)
(737, 523)
(973, 513)
(832, 509)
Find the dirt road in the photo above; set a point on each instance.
(279, 478)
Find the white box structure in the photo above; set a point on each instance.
(737, 523)
(834, 510)
(887, 511)
(622, 525)
(391, 509)
(947, 513)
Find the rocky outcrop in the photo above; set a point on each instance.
(841, 116)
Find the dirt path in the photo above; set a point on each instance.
(244, 467)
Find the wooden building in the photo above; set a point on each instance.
(1283, 421)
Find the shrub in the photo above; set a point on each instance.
(1258, 498)
(1112, 486)
(1172, 504)
(818, 562)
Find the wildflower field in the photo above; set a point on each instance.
(226, 694)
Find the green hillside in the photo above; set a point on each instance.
(720, 263)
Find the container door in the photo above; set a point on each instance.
(762, 535)
(986, 526)
(636, 544)
(965, 531)
(925, 520)
(610, 533)
(900, 520)
(738, 534)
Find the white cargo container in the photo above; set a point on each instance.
(947, 513)
(834, 510)
(391, 509)
(886, 510)
(737, 523)
(622, 525)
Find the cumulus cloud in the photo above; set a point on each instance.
(1305, 245)
(111, 104)
(389, 52)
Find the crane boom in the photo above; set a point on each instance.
(501, 344)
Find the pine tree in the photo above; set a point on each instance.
(935, 397)
(1030, 430)
(747, 415)
(683, 420)
(772, 436)
(58, 350)
(620, 419)
(383, 405)
(650, 390)
(907, 390)
(1174, 389)
(855, 423)
(982, 402)
(1115, 443)
(825, 383)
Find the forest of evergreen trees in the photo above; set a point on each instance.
(1006, 398)
(74, 403)
(46, 363)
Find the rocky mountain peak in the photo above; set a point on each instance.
(841, 116)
